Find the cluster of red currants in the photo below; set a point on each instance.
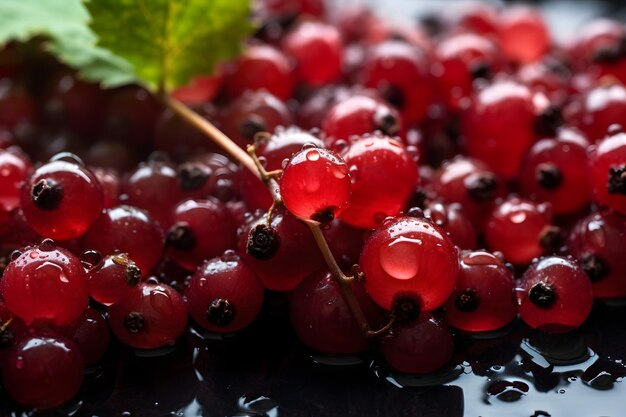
(417, 147)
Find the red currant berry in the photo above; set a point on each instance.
(272, 152)
(453, 221)
(483, 299)
(152, 316)
(460, 59)
(282, 253)
(409, 259)
(608, 172)
(61, 200)
(371, 161)
(17, 107)
(130, 115)
(261, 67)
(555, 295)
(487, 126)
(254, 112)
(316, 47)
(522, 230)
(45, 283)
(420, 347)
(202, 229)
(523, 34)
(224, 294)
(358, 115)
(315, 185)
(470, 183)
(201, 89)
(551, 172)
(322, 320)
(43, 371)
(90, 333)
(153, 187)
(113, 278)
(597, 242)
(597, 109)
(400, 72)
(15, 166)
(128, 230)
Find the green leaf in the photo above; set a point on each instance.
(63, 24)
(170, 41)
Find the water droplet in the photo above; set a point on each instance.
(47, 245)
(517, 217)
(89, 259)
(309, 145)
(339, 171)
(507, 391)
(379, 217)
(401, 258)
(481, 258)
(313, 155)
(229, 256)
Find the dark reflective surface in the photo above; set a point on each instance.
(266, 372)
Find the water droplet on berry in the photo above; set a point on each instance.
(229, 256)
(379, 217)
(517, 217)
(284, 163)
(15, 254)
(90, 259)
(313, 155)
(309, 145)
(47, 245)
(401, 257)
(339, 172)
(481, 258)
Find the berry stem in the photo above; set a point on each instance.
(345, 283)
(250, 160)
(212, 132)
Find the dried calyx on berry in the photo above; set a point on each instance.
(263, 242)
(134, 322)
(482, 187)
(193, 175)
(405, 308)
(617, 180)
(220, 312)
(181, 237)
(46, 194)
(595, 267)
(542, 295)
(467, 301)
(548, 176)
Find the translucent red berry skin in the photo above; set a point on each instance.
(17, 107)
(409, 257)
(551, 172)
(358, 115)
(254, 112)
(152, 316)
(371, 161)
(261, 67)
(597, 242)
(597, 109)
(399, 71)
(523, 34)
(296, 257)
(272, 152)
(15, 166)
(573, 296)
(45, 283)
(452, 219)
(484, 298)
(43, 371)
(322, 320)
(315, 185)
(459, 59)
(420, 347)
(113, 278)
(224, 294)
(202, 229)
(487, 123)
(316, 47)
(608, 172)
(153, 187)
(470, 183)
(91, 334)
(129, 230)
(516, 227)
(61, 200)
